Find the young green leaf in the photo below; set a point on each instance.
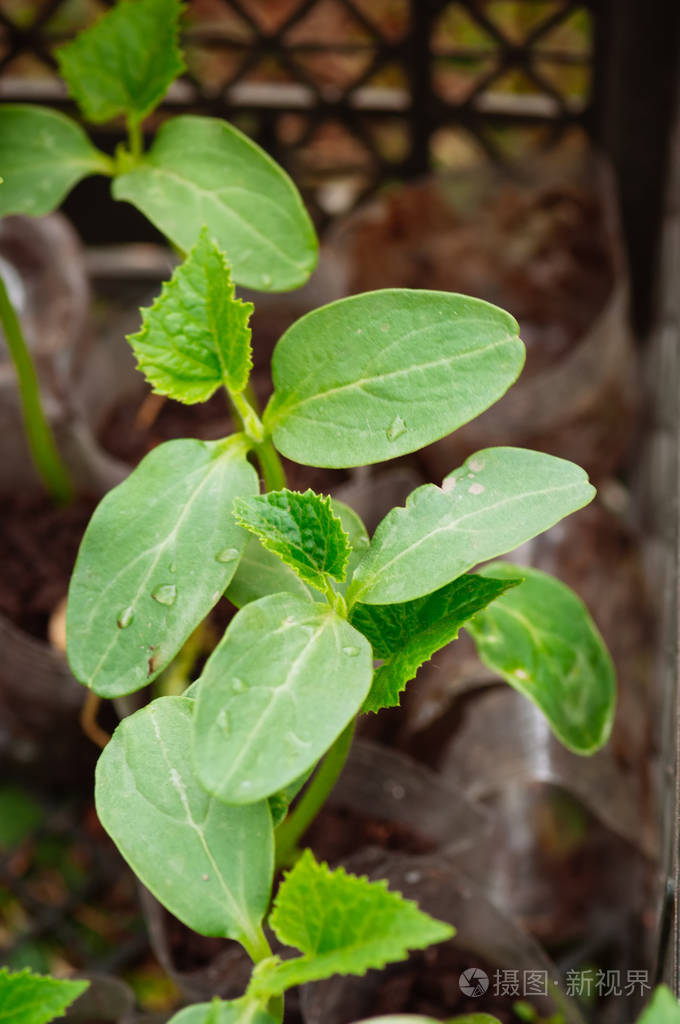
(342, 924)
(407, 635)
(158, 553)
(203, 171)
(378, 375)
(239, 1011)
(279, 688)
(43, 154)
(301, 529)
(261, 572)
(540, 638)
(499, 498)
(27, 998)
(196, 337)
(209, 864)
(126, 61)
(663, 1008)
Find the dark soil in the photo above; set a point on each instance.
(429, 984)
(38, 547)
(530, 251)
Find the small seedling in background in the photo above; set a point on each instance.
(198, 170)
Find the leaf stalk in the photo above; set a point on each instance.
(38, 432)
(290, 831)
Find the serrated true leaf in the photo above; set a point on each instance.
(27, 998)
(663, 1008)
(209, 864)
(377, 375)
(261, 572)
(301, 529)
(195, 338)
(407, 635)
(201, 171)
(158, 553)
(279, 688)
(239, 1011)
(540, 638)
(342, 924)
(498, 499)
(126, 61)
(43, 154)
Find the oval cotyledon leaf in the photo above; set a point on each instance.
(159, 552)
(282, 684)
(498, 499)
(211, 865)
(374, 376)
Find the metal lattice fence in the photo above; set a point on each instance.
(348, 94)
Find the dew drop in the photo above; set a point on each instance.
(223, 721)
(165, 594)
(350, 652)
(520, 673)
(126, 617)
(266, 280)
(476, 489)
(396, 429)
(238, 686)
(227, 555)
(172, 567)
(361, 543)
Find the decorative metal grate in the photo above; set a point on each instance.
(349, 94)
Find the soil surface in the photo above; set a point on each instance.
(38, 547)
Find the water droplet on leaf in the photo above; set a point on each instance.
(227, 555)
(350, 652)
(266, 280)
(238, 686)
(172, 567)
(396, 429)
(165, 594)
(126, 617)
(223, 721)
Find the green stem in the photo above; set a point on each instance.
(39, 435)
(271, 466)
(257, 948)
(290, 831)
(135, 139)
(267, 456)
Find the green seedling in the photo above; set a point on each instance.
(196, 790)
(207, 792)
(197, 170)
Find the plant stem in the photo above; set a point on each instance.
(257, 948)
(271, 467)
(135, 139)
(38, 433)
(270, 464)
(290, 831)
